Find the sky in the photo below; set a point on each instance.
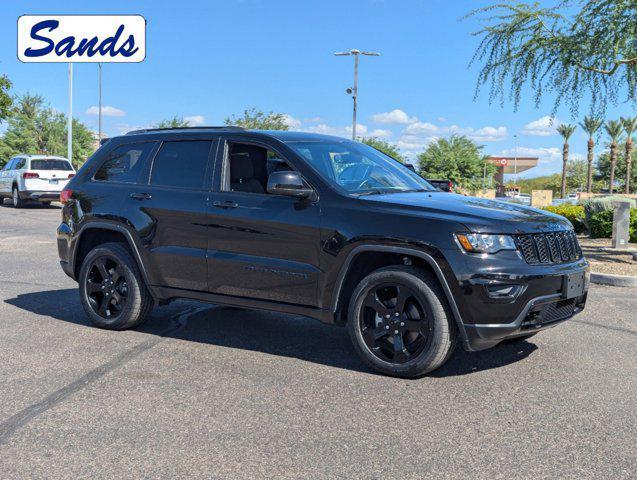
(207, 60)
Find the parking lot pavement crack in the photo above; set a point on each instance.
(607, 327)
(9, 426)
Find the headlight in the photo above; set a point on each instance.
(485, 243)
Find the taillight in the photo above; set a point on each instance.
(65, 195)
(71, 175)
(30, 175)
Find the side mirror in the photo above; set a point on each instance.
(288, 183)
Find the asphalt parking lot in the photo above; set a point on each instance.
(212, 392)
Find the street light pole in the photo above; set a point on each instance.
(69, 124)
(99, 133)
(354, 91)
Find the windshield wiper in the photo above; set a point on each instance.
(371, 192)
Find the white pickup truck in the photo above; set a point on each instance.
(38, 178)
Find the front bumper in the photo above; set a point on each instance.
(538, 314)
(501, 296)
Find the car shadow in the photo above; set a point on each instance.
(267, 332)
(30, 205)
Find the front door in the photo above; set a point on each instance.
(260, 246)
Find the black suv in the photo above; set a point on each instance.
(318, 226)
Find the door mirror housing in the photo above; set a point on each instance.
(288, 183)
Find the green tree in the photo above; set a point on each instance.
(174, 122)
(614, 130)
(565, 130)
(630, 125)
(34, 127)
(569, 51)
(387, 148)
(254, 119)
(604, 165)
(590, 125)
(5, 99)
(458, 159)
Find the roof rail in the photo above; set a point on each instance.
(146, 130)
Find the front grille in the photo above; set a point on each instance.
(548, 248)
(549, 313)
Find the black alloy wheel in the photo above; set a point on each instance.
(395, 325)
(106, 287)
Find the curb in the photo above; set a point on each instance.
(614, 280)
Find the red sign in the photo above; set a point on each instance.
(502, 162)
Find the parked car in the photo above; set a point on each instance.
(318, 226)
(523, 198)
(443, 185)
(39, 178)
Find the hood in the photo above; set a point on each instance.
(479, 215)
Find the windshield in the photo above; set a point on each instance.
(51, 164)
(358, 168)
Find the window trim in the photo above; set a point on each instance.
(205, 185)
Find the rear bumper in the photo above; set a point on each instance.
(39, 195)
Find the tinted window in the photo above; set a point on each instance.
(125, 163)
(181, 164)
(49, 164)
(19, 163)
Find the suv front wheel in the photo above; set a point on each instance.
(112, 290)
(399, 322)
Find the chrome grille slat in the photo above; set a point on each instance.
(547, 248)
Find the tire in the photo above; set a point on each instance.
(423, 326)
(127, 302)
(15, 197)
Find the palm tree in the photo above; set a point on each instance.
(630, 125)
(590, 125)
(566, 130)
(614, 130)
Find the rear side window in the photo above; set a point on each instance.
(48, 164)
(19, 164)
(125, 163)
(181, 164)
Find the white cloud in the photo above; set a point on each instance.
(361, 130)
(381, 133)
(293, 123)
(442, 119)
(542, 127)
(195, 120)
(483, 134)
(396, 116)
(107, 111)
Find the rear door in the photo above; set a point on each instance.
(168, 209)
(261, 246)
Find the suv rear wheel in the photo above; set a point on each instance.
(112, 290)
(399, 322)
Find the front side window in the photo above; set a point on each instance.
(358, 168)
(9, 164)
(124, 163)
(181, 164)
(249, 166)
(49, 164)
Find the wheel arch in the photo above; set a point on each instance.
(96, 233)
(427, 260)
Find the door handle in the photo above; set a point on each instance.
(141, 196)
(226, 204)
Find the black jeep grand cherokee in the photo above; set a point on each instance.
(318, 226)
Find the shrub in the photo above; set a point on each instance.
(600, 204)
(601, 224)
(573, 213)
